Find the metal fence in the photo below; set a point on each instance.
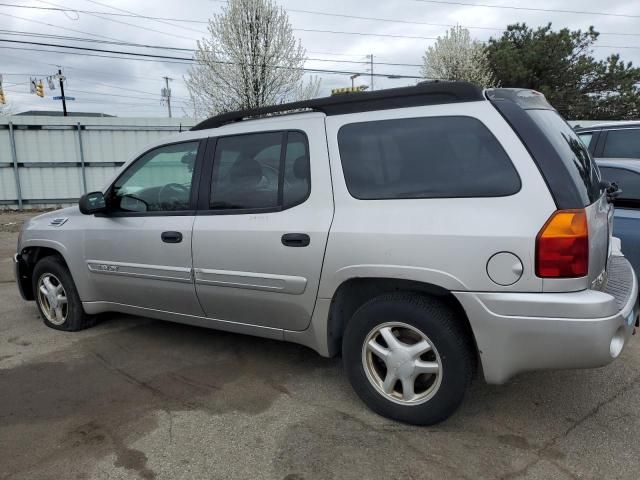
(52, 161)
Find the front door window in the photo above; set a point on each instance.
(160, 180)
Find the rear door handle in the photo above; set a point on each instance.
(295, 240)
(171, 237)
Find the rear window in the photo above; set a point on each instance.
(572, 151)
(622, 144)
(432, 157)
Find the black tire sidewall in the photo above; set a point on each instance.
(75, 314)
(436, 321)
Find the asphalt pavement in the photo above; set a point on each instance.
(138, 398)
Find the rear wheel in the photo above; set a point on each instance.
(57, 298)
(408, 357)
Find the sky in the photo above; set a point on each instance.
(401, 33)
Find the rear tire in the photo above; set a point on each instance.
(409, 357)
(57, 297)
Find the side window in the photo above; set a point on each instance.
(427, 157)
(627, 180)
(586, 138)
(158, 181)
(622, 144)
(252, 171)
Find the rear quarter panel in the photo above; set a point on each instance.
(446, 242)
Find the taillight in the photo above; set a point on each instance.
(562, 246)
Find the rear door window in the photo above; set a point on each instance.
(622, 144)
(430, 157)
(260, 171)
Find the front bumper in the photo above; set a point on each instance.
(518, 332)
(23, 279)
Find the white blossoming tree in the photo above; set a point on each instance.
(250, 59)
(457, 57)
(6, 110)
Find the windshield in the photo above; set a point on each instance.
(572, 151)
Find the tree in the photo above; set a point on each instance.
(250, 59)
(6, 110)
(559, 64)
(456, 57)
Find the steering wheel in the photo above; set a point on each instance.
(173, 194)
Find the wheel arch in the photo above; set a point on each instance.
(29, 256)
(355, 292)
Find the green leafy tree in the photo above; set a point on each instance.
(560, 65)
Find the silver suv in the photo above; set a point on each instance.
(417, 231)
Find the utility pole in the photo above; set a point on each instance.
(166, 94)
(353, 77)
(371, 58)
(64, 101)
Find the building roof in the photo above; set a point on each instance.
(57, 113)
(611, 124)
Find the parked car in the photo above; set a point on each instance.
(626, 224)
(612, 140)
(415, 230)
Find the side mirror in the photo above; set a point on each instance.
(93, 202)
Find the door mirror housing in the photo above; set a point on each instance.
(93, 202)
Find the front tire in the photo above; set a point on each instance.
(57, 297)
(409, 357)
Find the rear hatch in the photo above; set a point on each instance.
(568, 169)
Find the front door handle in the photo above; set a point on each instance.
(295, 240)
(171, 237)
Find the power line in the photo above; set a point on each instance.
(294, 10)
(152, 57)
(530, 9)
(124, 23)
(56, 26)
(92, 40)
(137, 15)
(162, 47)
(368, 34)
(429, 38)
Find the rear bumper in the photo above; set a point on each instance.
(22, 277)
(518, 332)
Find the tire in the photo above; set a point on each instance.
(72, 316)
(413, 320)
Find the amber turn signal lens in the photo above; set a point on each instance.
(562, 246)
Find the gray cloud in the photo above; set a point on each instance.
(104, 78)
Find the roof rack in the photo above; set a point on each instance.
(424, 93)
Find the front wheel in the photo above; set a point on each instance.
(408, 357)
(57, 297)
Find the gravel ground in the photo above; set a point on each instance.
(136, 398)
(10, 224)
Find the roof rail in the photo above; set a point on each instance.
(424, 93)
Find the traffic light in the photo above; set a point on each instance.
(40, 89)
(2, 99)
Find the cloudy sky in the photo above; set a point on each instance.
(401, 31)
